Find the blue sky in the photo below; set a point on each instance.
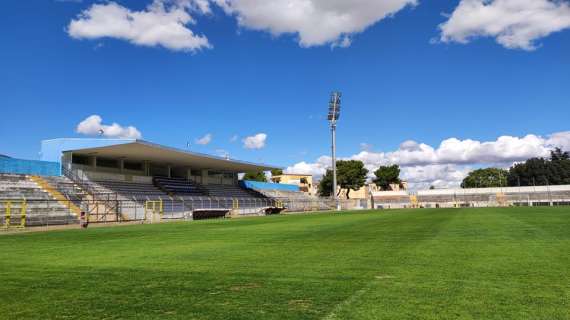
(403, 78)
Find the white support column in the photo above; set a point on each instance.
(169, 168)
(204, 176)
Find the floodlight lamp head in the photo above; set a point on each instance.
(334, 107)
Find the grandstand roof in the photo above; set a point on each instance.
(140, 150)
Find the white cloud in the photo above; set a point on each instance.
(163, 23)
(166, 22)
(515, 24)
(445, 166)
(560, 140)
(455, 151)
(316, 169)
(205, 140)
(92, 125)
(255, 142)
(316, 22)
(437, 175)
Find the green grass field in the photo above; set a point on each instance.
(511, 263)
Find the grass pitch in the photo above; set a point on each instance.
(411, 264)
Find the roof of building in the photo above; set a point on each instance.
(140, 150)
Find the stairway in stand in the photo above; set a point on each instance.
(55, 194)
(100, 204)
(99, 207)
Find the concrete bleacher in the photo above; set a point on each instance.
(42, 209)
(173, 188)
(67, 188)
(178, 186)
(131, 190)
(14, 187)
(230, 191)
(179, 196)
(290, 196)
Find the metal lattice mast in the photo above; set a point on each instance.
(333, 116)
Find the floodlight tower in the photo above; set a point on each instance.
(334, 115)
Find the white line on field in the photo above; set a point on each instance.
(355, 296)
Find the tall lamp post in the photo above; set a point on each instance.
(333, 116)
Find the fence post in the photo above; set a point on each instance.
(23, 212)
(529, 202)
(48, 214)
(8, 214)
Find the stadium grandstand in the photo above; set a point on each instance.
(116, 180)
(122, 180)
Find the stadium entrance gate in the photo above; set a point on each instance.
(153, 211)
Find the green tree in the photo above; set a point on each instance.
(255, 176)
(533, 172)
(326, 184)
(558, 155)
(559, 168)
(276, 172)
(387, 175)
(486, 178)
(542, 172)
(351, 175)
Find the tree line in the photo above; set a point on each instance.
(533, 172)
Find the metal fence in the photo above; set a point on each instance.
(17, 214)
